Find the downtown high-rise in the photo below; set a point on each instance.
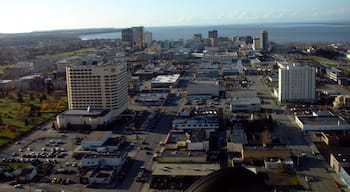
(102, 86)
(296, 83)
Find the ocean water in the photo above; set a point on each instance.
(280, 33)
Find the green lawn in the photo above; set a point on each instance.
(324, 61)
(16, 118)
(66, 54)
(2, 67)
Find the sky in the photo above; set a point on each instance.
(38, 15)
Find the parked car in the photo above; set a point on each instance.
(13, 183)
(18, 186)
(310, 178)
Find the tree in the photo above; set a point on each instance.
(43, 97)
(22, 114)
(31, 96)
(45, 106)
(265, 137)
(19, 97)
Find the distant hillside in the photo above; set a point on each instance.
(33, 38)
(64, 32)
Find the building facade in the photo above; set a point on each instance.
(147, 38)
(213, 34)
(296, 83)
(264, 40)
(127, 35)
(256, 44)
(98, 87)
(138, 37)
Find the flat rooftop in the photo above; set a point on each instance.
(181, 136)
(245, 101)
(166, 79)
(184, 169)
(113, 141)
(176, 136)
(342, 158)
(103, 155)
(5, 81)
(103, 173)
(152, 96)
(183, 153)
(332, 120)
(198, 119)
(242, 94)
(86, 113)
(268, 148)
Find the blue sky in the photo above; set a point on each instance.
(31, 15)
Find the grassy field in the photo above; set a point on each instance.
(18, 118)
(324, 61)
(2, 67)
(66, 54)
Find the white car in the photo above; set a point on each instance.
(17, 186)
(40, 190)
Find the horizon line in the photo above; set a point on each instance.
(338, 22)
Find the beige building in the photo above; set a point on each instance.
(138, 37)
(264, 40)
(342, 101)
(98, 87)
(338, 160)
(296, 83)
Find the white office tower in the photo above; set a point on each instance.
(296, 83)
(98, 87)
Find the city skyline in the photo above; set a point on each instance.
(39, 15)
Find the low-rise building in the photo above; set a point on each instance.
(98, 176)
(260, 153)
(105, 143)
(30, 83)
(335, 74)
(279, 163)
(321, 123)
(341, 138)
(179, 176)
(164, 81)
(115, 160)
(152, 99)
(182, 156)
(338, 160)
(208, 123)
(6, 85)
(184, 140)
(245, 104)
(238, 136)
(342, 101)
(90, 118)
(203, 89)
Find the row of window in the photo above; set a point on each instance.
(197, 125)
(77, 70)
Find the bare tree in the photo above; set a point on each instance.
(265, 137)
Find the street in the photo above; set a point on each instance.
(288, 132)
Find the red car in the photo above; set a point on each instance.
(337, 184)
